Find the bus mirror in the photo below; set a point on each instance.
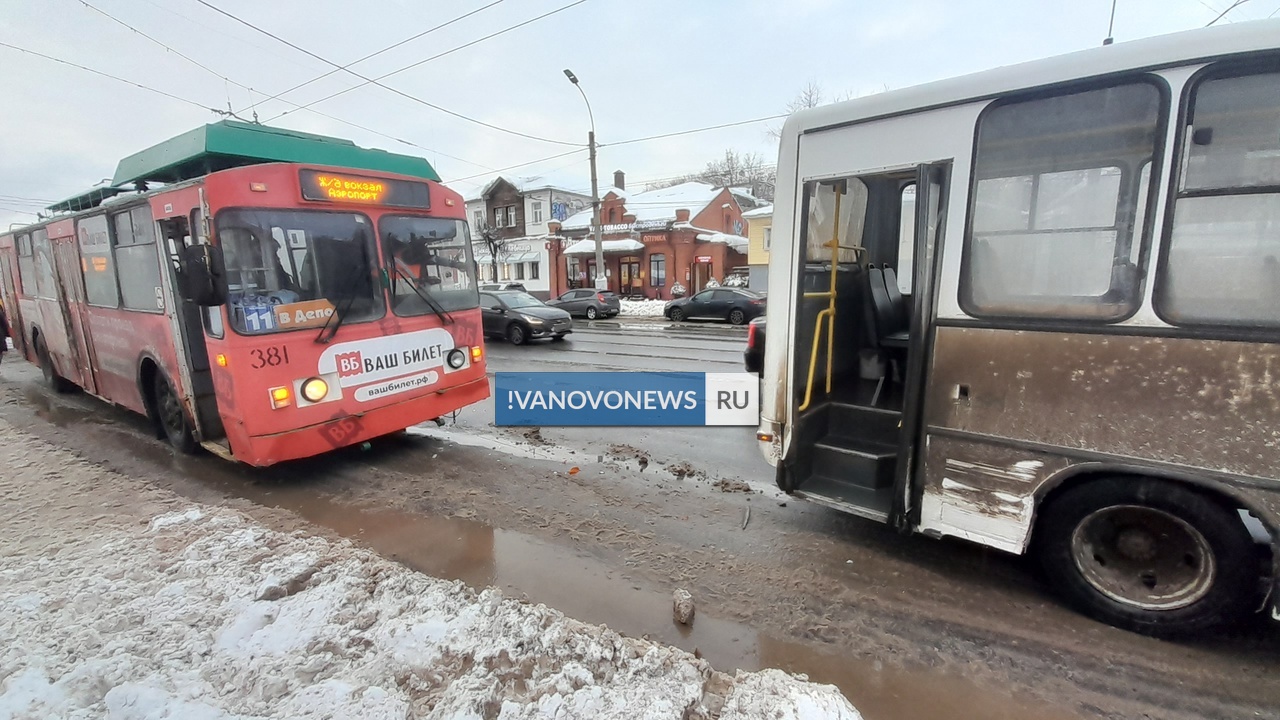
(202, 275)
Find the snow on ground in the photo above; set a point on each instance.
(201, 613)
(642, 308)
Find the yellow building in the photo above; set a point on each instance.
(759, 236)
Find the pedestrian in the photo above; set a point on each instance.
(4, 332)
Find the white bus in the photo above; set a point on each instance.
(1038, 308)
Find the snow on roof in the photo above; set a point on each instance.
(760, 212)
(655, 206)
(737, 242)
(588, 246)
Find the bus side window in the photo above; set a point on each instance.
(1222, 265)
(137, 260)
(26, 266)
(45, 284)
(1059, 203)
(906, 238)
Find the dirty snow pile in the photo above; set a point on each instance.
(642, 308)
(205, 615)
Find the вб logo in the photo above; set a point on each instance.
(349, 364)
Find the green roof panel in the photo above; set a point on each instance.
(228, 144)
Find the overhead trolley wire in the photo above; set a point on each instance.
(376, 81)
(383, 50)
(224, 78)
(113, 77)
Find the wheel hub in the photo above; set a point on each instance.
(1143, 557)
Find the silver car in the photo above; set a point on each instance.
(588, 303)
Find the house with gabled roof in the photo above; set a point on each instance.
(658, 243)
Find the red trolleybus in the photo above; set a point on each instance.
(268, 312)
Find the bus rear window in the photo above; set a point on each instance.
(1060, 187)
(293, 269)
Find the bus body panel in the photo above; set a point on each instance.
(1038, 402)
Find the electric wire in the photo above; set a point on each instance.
(385, 49)
(373, 81)
(226, 79)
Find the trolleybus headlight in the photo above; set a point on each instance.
(314, 389)
(456, 359)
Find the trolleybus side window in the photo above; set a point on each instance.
(1059, 188)
(292, 269)
(138, 260)
(45, 284)
(1222, 265)
(430, 264)
(95, 254)
(26, 266)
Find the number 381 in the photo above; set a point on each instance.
(271, 357)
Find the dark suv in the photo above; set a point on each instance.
(591, 304)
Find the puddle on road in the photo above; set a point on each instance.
(583, 587)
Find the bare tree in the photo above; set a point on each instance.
(733, 169)
(498, 247)
(810, 96)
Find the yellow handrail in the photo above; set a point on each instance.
(829, 312)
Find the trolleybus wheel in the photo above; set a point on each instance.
(52, 379)
(1148, 555)
(516, 334)
(172, 417)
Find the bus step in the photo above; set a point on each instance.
(858, 422)
(861, 501)
(861, 463)
(221, 449)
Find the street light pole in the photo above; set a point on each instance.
(602, 280)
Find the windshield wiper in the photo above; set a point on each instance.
(334, 321)
(431, 302)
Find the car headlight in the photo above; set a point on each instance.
(456, 358)
(314, 389)
(533, 320)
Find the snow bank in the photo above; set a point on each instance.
(203, 614)
(642, 308)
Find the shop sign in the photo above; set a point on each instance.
(703, 259)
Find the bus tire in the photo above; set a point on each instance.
(172, 418)
(1151, 556)
(52, 379)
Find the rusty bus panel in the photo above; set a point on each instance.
(1199, 403)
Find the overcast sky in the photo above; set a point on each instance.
(648, 66)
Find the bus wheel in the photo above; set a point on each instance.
(52, 379)
(1147, 555)
(172, 418)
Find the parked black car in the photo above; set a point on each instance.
(734, 305)
(502, 286)
(588, 303)
(520, 317)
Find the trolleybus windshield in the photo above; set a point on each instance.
(292, 269)
(430, 264)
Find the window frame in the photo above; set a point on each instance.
(535, 207)
(1143, 217)
(1269, 63)
(656, 260)
(111, 254)
(26, 277)
(114, 213)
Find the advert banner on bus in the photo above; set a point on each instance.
(626, 398)
(346, 188)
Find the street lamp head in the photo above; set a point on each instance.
(569, 74)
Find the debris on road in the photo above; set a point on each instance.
(534, 436)
(682, 606)
(683, 469)
(623, 451)
(729, 486)
(746, 518)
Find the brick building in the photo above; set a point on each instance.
(655, 242)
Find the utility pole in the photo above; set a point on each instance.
(602, 280)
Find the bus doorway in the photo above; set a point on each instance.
(862, 328)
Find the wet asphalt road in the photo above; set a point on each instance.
(640, 345)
